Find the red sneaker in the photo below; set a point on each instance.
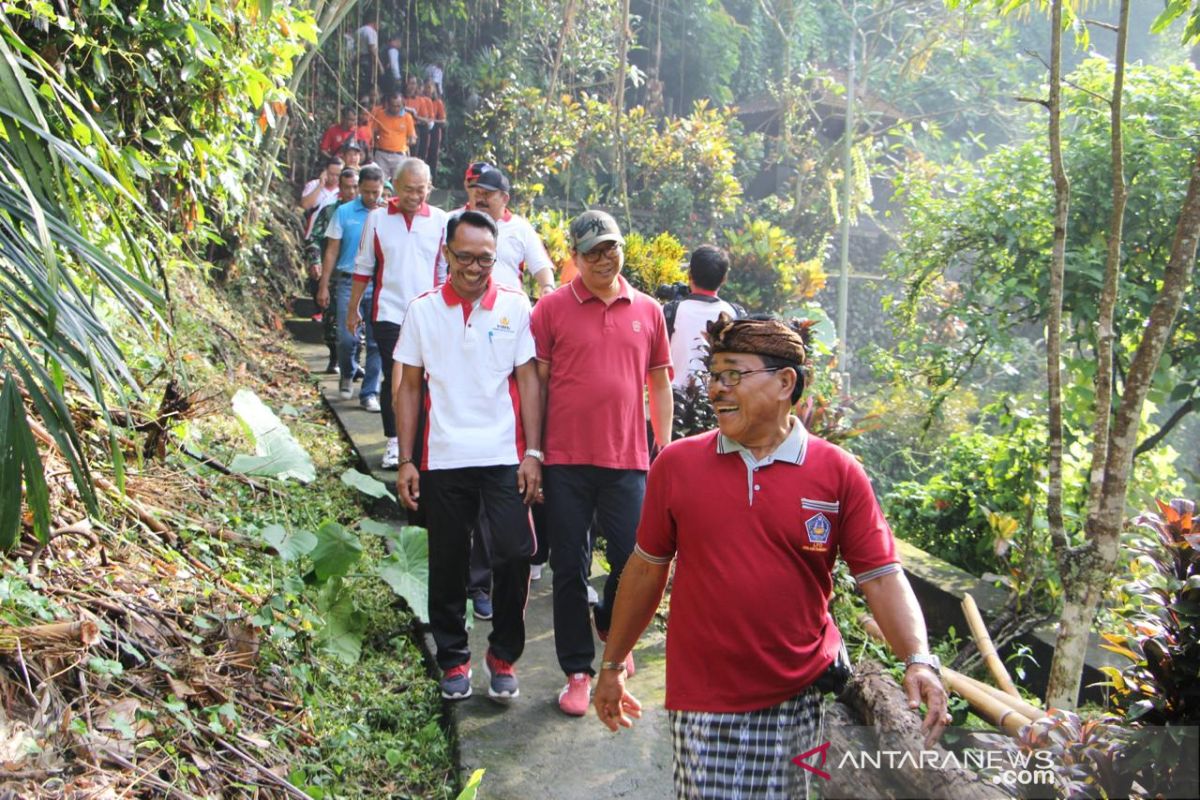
(575, 696)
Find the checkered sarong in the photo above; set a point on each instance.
(746, 756)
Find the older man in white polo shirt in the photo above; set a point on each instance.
(400, 254)
(471, 341)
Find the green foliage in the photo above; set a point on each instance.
(973, 253)
(406, 568)
(1160, 615)
(650, 263)
(278, 454)
(765, 273)
(366, 484)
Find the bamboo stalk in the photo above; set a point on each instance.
(83, 632)
(990, 707)
(1018, 704)
(987, 649)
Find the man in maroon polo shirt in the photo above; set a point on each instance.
(600, 343)
(778, 506)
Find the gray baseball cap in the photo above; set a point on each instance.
(592, 228)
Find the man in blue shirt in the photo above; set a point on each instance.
(341, 245)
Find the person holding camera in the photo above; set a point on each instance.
(686, 316)
(750, 641)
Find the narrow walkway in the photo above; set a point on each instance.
(530, 749)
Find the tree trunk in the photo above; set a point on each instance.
(1062, 204)
(619, 111)
(1105, 334)
(888, 724)
(1105, 519)
(563, 33)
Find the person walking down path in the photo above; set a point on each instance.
(744, 691)
(341, 245)
(400, 256)
(600, 343)
(471, 341)
(395, 133)
(688, 316)
(314, 246)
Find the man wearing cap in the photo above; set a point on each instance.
(518, 249)
(778, 506)
(472, 339)
(600, 342)
(400, 255)
(352, 153)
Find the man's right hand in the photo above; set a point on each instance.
(353, 320)
(408, 485)
(323, 297)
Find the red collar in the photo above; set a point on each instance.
(488, 301)
(394, 208)
(583, 294)
(703, 292)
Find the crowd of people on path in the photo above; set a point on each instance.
(521, 418)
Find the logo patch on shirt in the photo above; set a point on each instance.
(637, 326)
(818, 529)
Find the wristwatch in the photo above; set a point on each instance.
(928, 659)
(538, 454)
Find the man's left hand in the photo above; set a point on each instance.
(922, 684)
(529, 480)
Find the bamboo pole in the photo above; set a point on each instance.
(1006, 712)
(987, 649)
(80, 633)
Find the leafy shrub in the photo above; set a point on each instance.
(650, 263)
(1160, 609)
(765, 273)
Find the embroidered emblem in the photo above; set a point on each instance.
(504, 322)
(818, 529)
(637, 326)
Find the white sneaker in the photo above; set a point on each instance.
(593, 598)
(345, 388)
(391, 456)
(370, 403)
(535, 572)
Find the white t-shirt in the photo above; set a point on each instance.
(469, 363)
(688, 348)
(326, 197)
(368, 38)
(434, 73)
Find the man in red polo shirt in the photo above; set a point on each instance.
(777, 507)
(471, 338)
(600, 342)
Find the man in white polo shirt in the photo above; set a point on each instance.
(470, 340)
(519, 249)
(400, 254)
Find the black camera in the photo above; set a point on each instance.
(672, 291)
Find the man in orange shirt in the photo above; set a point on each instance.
(422, 109)
(394, 134)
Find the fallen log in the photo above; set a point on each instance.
(874, 701)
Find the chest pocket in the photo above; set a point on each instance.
(818, 532)
(502, 349)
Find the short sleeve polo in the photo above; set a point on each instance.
(599, 357)
(469, 354)
(758, 538)
(401, 256)
(346, 226)
(519, 249)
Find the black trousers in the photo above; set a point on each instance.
(481, 550)
(451, 499)
(386, 336)
(574, 494)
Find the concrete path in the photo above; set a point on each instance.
(530, 748)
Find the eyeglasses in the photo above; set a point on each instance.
(732, 377)
(467, 259)
(597, 253)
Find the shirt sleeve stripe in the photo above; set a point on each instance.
(637, 550)
(878, 572)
